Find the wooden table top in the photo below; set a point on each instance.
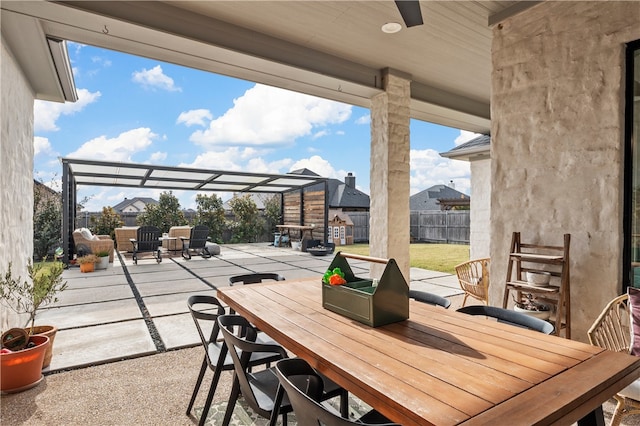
(300, 227)
(439, 367)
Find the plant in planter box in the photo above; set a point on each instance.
(87, 262)
(103, 259)
(27, 297)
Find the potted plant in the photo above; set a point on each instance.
(530, 306)
(103, 259)
(27, 297)
(87, 262)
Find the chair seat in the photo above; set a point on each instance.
(632, 391)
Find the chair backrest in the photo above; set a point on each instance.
(198, 237)
(206, 309)
(611, 330)
(254, 278)
(148, 238)
(510, 317)
(240, 338)
(430, 298)
(303, 386)
(473, 276)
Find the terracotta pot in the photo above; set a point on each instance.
(87, 267)
(49, 331)
(22, 370)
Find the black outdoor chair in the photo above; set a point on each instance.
(255, 278)
(430, 298)
(205, 311)
(508, 316)
(147, 241)
(304, 386)
(197, 241)
(261, 389)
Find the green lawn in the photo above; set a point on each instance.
(436, 257)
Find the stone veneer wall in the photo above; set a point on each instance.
(557, 138)
(479, 241)
(16, 172)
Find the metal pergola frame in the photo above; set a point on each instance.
(77, 172)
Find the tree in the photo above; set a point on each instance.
(106, 223)
(210, 212)
(273, 211)
(247, 224)
(165, 214)
(47, 219)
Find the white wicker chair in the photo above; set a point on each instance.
(611, 331)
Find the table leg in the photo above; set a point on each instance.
(594, 418)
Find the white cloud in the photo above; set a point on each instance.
(320, 134)
(365, 119)
(428, 168)
(270, 116)
(42, 146)
(157, 157)
(465, 136)
(119, 148)
(320, 166)
(195, 116)
(45, 113)
(155, 78)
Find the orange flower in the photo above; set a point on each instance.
(336, 279)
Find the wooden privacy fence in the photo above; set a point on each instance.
(450, 226)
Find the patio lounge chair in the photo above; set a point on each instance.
(147, 241)
(197, 241)
(87, 243)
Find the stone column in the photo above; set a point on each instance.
(389, 181)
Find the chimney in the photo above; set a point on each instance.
(452, 185)
(350, 180)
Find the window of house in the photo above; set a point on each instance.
(631, 253)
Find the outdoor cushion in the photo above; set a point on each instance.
(634, 305)
(86, 233)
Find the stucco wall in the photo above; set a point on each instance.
(479, 241)
(557, 112)
(16, 171)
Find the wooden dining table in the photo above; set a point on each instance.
(440, 367)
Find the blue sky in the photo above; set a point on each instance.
(138, 110)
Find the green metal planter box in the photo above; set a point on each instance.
(364, 301)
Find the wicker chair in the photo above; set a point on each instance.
(473, 277)
(611, 331)
(103, 243)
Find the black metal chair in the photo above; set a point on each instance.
(254, 278)
(261, 389)
(430, 298)
(197, 241)
(510, 317)
(304, 386)
(205, 311)
(147, 241)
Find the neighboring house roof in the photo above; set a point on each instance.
(430, 199)
(132, 202)
(39, 186)
(342, 195)
(475, 149)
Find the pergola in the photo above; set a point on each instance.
(77, 172)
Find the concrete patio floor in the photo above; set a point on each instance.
(133, 310)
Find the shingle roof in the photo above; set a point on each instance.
(478, 147)
(128, 201)
(428, 199)
(340, 194)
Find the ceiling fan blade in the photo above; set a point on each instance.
(410, 11)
